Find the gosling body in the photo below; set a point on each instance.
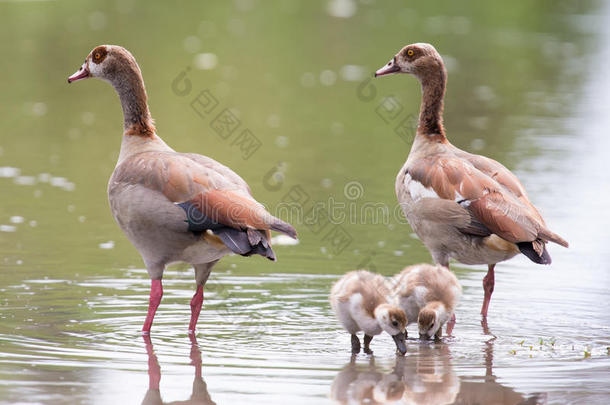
(360, 300)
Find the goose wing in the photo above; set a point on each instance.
(490, 199)
(213, 197)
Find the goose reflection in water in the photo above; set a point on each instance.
(199, 394)
(360, 384)
(425, 377)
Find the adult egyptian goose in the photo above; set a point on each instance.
(360, 300)
(428, 294)
(462, 206)
(174, 206)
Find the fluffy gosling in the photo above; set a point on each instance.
(429, 294)
(360, 300)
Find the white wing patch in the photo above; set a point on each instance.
(417, 190)
(461, 200)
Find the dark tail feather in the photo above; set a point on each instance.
(527, 249)
(254, 236)
(263, 251)
(239, 242)
(234, 239)
(243, 242)
(283, 227)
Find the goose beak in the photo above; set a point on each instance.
(80, 74)
(399, 339)
(391, 68)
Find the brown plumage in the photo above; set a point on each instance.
(426, 317)
(428, 294)
(360, 300)
(115, 61)
(174, 206)
(462, 206)
(505, 211)
(373, 288)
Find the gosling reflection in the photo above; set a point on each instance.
(428, 375)
(365, 384)
(424, 377)
(199, 394)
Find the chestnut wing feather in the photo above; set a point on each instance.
(214, 190)
(491, 203)
(503, 176)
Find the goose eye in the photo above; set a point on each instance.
(410, 52)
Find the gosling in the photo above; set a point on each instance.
(360, 300)
(429, 294)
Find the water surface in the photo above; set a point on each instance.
(525, 87)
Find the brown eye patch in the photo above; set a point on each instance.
(411, 53)
(99, 54)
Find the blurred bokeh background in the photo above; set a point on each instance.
(526, 87)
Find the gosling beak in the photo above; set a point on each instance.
(399, 339)
(391, 68)
(80, 74)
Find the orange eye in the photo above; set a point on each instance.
(97, 55)
(410, 52)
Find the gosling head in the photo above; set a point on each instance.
(416, 59)
(429, 322)
(393, 321)
(106, 62)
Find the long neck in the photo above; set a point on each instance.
(433, 84)
(129, 85)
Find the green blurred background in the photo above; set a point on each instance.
(298, 74)
(281, 66)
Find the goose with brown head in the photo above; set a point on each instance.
(117, 66)
(174, 207)
(462, 206)
(423, 62)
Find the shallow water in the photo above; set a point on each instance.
(525, 87)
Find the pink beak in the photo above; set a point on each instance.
(388, 69)
(80, 74)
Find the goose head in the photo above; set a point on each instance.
(106, 62)
(429, 320)
(118, 67)
(415, 59)
(393, 321)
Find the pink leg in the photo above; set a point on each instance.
(156, 293)
(196, 303)
(488, 287)
(451, 324)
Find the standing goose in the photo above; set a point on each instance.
(462, 206)
(174, 207)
